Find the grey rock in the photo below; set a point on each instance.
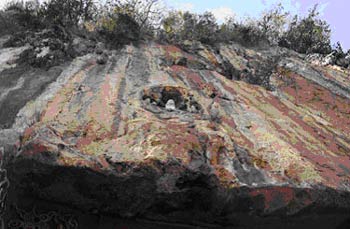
(102, 59)
(80, 47)
(214, 112)
(314, 58)
(99, 48)
(329, 60)
(193, 109)
(182, 61)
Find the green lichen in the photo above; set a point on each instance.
(310, 175)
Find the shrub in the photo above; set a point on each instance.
(273, 24)
(20, 15)
(131, 20)
(172, 26)
(206, 28)
(246, 33)
(178, 27)
(119, 29)
(309, 35)
(338, 51)
(7, 24)
(67, 13)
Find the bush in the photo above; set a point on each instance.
(309, 35)
(20, 15)
(207, 29)
(338, 51)
(178, 27)
(273, 23)
(127, 21)
(32, 15)
(172, 26)
(119, 29)
(67, 13)
(246, 33)
(7, 24)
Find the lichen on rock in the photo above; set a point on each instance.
(156, 132)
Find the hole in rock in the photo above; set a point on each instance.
(162, 96)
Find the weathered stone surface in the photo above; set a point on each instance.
(98, 138)
(80, 47)
(102, 59)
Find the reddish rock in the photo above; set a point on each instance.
(100, 139)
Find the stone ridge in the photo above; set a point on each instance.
(252, 132)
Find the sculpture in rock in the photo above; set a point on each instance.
(170, 105)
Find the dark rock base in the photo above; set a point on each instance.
(49, 196)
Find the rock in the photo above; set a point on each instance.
(8, 140)
(148, 101)
(193, 109)
(347, 57)
(100, 47)
(43, 52)
(347, 60)
(214, 112)
(102, 59)
(315, 58)
(80, 47)
(88, 139)
(3, 40)
(192, 46)
(170, 105)
(329, 59)
(182, 61)
(343, 62)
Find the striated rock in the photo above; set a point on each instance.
(96, 139)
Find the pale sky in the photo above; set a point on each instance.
(335, 12)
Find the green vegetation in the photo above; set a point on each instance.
(308, 35)
(122, 22)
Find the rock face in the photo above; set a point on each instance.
(99, 138)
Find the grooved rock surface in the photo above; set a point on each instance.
(99, 138)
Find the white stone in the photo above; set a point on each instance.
(170, 105)
(44, 51)
(193, 109)
(328, 60)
